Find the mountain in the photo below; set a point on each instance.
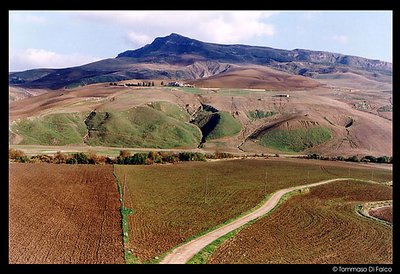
(183, 58)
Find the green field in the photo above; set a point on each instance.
(227, 126)
(173, 203)
(54, 129)
(161, 125)
(295, 140)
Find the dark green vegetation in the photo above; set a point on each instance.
(54, 129)
(259, 114)
(216, 124)
(295, 140)
(173, 203)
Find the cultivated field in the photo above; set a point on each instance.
(384, 213)
(172, 203)
(64, 214)
(319, 227)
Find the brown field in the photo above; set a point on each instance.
(257, 77)
(170, 204)
(64, 214)
(319, 227)
(384, 213)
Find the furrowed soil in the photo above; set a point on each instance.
(64, 214)
(384, 213)
(319, 227)
(173, 203)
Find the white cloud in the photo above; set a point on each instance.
(138, 38)
(40, 58)
(211, 26)
(340, 39)
(27, 18)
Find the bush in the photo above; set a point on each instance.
(353, 159)
(340, 158)
(59, 158)
(72, 161)
(191, 156)
(15, 153)
(383, 159)
(78, 158)
(22, 159)
(43, 158)
(372, 159)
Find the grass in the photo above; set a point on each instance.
(169, 200)
(259, 114)
(53, 129)
(161, 126)
(171, 110)
(227, 126)
(146, 127)
(125, 212)
(295, 140)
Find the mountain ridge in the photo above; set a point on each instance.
(178, 57)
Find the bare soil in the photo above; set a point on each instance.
(64, 214)
(320, 227)
(384, 213)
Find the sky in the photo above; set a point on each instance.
(57, 39)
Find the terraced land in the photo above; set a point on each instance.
(173, 203)
(319, 227)
(64, 214)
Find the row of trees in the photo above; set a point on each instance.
(125, 157)
(364, 159)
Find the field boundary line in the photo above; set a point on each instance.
(184, 252)
(125, 212)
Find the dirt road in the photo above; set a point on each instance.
(184, 253)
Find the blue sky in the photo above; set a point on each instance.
(55, 39)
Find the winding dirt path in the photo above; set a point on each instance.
(185, 252)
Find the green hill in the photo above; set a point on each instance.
(295, 140)
(161, 125)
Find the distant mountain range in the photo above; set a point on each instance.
(182, 58)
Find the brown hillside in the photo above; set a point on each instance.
(257, 77)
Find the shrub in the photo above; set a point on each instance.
(353, 159)
(59, 158)
(43, 158)
(15, 153)
(78, 158)
(22, 159)
(124, 153)
(340, 158)
(191, 156)
(383, 159)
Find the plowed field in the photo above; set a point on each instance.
(384, 213)
(172, 203)
(314, 228)
(64, 214)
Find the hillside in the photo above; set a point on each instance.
(183, 58)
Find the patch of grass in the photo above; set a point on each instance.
(53, 129)
(146, 127)
(171, 110)
(259, 114)
(125, 212)
(295, 140)
(227, 126)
